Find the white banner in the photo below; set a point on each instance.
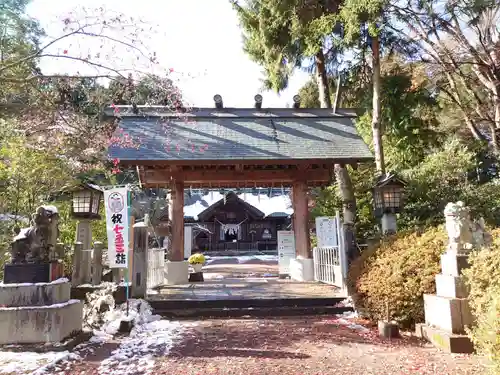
(116, 204)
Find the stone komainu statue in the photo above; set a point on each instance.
(463, 233)
(34, 244)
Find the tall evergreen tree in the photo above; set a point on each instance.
(282, 36)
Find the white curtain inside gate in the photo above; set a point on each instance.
(230, 229)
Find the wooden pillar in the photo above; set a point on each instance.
(177, 250)
(301, 219)
(140, 263)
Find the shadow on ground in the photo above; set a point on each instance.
(280, 338)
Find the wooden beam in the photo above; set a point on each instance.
(234, 177)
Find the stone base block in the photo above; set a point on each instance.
(302, 269)
(68, 344)
(176, 273)
(448, 314)
(453, 264)
(32, 272)
(196, 277)
(446, 341)
(40, 324)
(388, 330)
(451, 286)
(40, 294)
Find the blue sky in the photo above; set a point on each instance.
(199, 39)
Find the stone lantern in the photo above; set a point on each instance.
(388, 200)
(86, 202)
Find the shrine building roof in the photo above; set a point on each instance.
(155, 134)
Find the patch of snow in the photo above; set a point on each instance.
(149, 338)
(241, 259)
(9, 217)
(346, 320)
(268, 205)
(212, 276)
(29, 362)
(23, 233)
(52, 209)
(255, 280)
(58, 281)
(54, 306)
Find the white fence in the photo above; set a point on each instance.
(330, 261)
(156, 267)
(326, 259)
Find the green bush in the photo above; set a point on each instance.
(397, 274)
(483, 278)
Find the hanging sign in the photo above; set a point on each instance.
(326, 231)
(116, 202)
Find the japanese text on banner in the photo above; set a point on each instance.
(116, 202)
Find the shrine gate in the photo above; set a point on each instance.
(236, 148)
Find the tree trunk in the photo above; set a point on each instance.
(376, 125)
(336, 101)
(325, 99)
(341, 173)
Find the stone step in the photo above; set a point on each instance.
(451, 286)
(260, 312)
(449, 342)
(449, 314)
(164, 302)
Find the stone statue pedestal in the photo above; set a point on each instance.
(447, 312)
(32, 272)
(38, 313)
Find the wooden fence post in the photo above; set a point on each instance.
(76, 278)
(140, 262)
(97, 263)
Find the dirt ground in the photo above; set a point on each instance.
(306, 346)
(293, 346)
(314, 345)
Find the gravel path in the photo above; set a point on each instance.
(291, 346)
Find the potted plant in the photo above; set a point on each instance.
(196, 261)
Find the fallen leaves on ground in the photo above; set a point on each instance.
(299, 346)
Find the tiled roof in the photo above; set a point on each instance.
(243, 134)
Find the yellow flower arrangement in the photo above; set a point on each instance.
(197, 258)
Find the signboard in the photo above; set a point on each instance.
(326, 231)
(286, 250)
(188, 241)
(116, 205)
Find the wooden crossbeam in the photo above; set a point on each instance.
(200, 177)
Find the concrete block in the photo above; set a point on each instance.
(40, 324)
(40, 294)
(453, 264)
(451, 286)
(176, 273)
(446, 341)
(448, 314)
(302, 269)
(388, 330)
